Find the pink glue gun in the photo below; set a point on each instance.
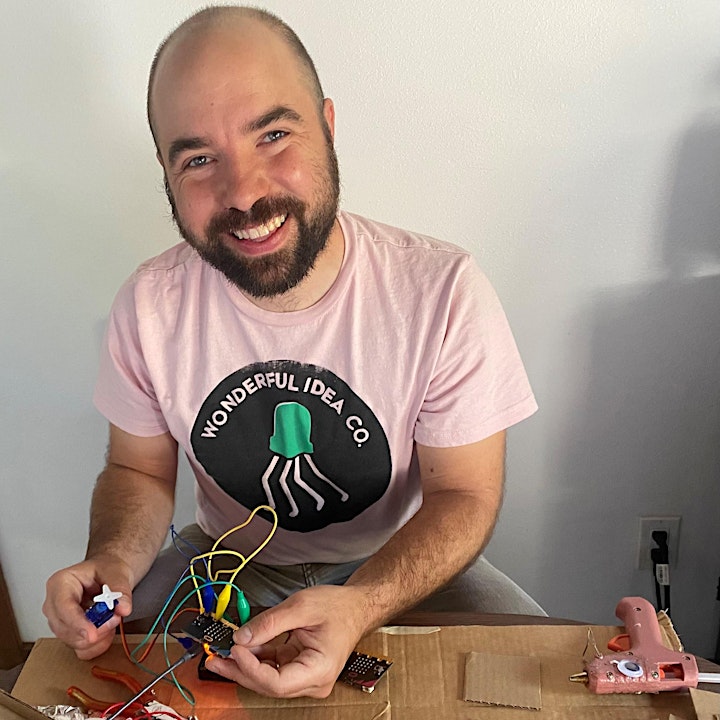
(645, 664)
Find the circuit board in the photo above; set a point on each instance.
(216, 634)
(364, 671)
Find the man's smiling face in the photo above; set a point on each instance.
(250, 168)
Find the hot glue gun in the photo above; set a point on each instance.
(644, 664)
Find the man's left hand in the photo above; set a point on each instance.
(324, 625)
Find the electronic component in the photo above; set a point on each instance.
(99, 614)
(364, 671)
(216, 634)
(104, 606)
(206, 674)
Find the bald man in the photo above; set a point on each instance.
(357, 378)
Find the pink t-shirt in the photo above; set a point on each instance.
(314, 412)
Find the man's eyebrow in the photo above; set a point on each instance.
(197, 143)
(182, 144)
(277, 113)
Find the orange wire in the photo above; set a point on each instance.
(126, 648)
(128, 655)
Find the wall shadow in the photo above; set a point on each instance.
(644, 435)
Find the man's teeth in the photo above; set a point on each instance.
(259, 232)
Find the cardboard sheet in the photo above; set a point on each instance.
(507, 680)
(707, 704)
(11, 709)
(426, 681)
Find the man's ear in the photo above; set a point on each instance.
(329, 115)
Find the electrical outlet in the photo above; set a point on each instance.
(671, 525)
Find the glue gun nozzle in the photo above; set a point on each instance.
(581, 677)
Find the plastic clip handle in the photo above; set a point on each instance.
(222, 602)
(243, 608)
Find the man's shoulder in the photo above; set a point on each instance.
(172, 267)
(180, 256)
(161, 276)
(382, 236)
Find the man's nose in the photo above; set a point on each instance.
(242, 185)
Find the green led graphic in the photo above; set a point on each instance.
(291, 440)
(292, 425)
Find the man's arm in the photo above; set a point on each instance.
(133, 500)
(131, 509)
(462, 493)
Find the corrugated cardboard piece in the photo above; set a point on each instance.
(426, 682)
(707, 704)
(11, 709)
(503, 680)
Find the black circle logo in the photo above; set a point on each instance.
(295, 437)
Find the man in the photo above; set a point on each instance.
(356, 377)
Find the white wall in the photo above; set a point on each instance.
(572, 145)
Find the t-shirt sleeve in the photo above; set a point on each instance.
(478, 386)
(124, 391)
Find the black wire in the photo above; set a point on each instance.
(661, 556)
(658, 601)
(717, 647)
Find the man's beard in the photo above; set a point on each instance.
(277, 272)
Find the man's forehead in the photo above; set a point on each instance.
(237, 45)
(220, 65)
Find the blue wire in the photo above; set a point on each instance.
(187, 574)
(158, 619)
(178, 608)
(176, 536)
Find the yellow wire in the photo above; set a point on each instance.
(240, 527)
(243, 560)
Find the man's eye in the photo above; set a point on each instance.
(198, 161)
(274, 136)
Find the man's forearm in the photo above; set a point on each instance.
(129, 518)
(442, 539)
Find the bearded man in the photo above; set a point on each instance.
(354, 377)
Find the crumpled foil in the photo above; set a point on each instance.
(63, 712)
(67, 712)
(159, 711)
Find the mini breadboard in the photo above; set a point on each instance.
(364, 671)
(216, 634)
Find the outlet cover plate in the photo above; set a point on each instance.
(646, 525)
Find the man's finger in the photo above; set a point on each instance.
(285, 617)
(124, 605)
(285, 654)
(292, 680)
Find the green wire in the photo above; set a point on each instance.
(243, 605)
(178, 608)
(185, 692)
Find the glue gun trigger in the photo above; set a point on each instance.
(620, 643)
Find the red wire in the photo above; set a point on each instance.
(145, 715)
(112, 708)
(128, 655)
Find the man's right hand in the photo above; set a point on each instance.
(132, 508)
(70, 592)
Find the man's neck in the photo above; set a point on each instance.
(314, 286)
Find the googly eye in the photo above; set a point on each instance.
(630, 668)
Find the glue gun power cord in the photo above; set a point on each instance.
(660, 556)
